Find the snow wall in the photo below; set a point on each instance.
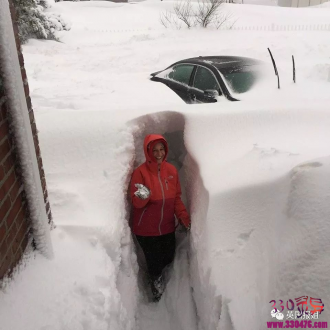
(262, 231)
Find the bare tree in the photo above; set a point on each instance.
(169, 19)
(222, 18)
(207, 11)
(166, 19)
(184, 12)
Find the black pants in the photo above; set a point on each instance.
(158, 251)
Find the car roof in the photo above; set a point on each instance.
(222, 62)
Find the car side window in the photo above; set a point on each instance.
(204, 79)
(181, 73)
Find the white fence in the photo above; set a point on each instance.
(300, 3)
(280, 27)
(271, 27)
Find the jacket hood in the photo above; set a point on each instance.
(150, 140)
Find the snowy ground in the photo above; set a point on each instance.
(256, 173)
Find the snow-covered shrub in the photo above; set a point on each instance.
(33, 22)
(205, 13)
(183, 11)
(57, 22)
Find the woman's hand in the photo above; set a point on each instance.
(185, 226)
(143, 192)
(188, 227)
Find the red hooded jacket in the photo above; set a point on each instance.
(155, 216)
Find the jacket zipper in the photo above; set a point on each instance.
(142, 215)
(162, 212)
(166, 184)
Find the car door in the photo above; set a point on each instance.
(203, 85)
(178, 78)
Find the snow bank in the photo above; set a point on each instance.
(92, 281)
(262, 173)
(82, 294)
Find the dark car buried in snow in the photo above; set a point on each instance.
(203, 79)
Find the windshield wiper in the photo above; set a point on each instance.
(275, 68)
(294, 70)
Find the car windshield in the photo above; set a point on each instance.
(241, 79)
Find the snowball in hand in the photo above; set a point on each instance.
(143, 192)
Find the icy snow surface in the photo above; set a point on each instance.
(255, 172)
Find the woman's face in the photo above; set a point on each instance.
(158, 152)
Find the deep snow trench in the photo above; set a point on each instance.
(176, 309)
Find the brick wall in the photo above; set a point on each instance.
(15, 225)
(31, 114)
(14, 220)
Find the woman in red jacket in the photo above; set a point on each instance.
(156, 198)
